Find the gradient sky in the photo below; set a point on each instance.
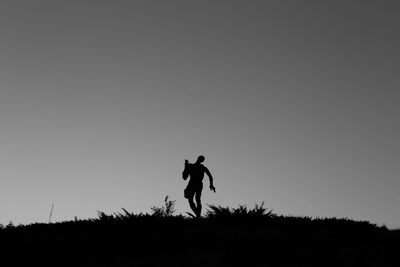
(295, 103)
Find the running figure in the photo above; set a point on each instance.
(195, 186)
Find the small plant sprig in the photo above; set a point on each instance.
(166, 211)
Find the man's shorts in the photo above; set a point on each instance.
(191, 191)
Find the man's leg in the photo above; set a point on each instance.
(189, 195)
(192, 205)
(198, 202)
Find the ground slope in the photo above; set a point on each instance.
(220, 239)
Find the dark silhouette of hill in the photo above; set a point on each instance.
(223, 237)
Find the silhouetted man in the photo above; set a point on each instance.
(195, 185)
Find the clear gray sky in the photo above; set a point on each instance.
(295, 103)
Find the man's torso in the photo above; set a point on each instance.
(196, 174)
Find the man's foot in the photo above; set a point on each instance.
(198, 214)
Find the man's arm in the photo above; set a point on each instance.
(185, 172)
(212, 188)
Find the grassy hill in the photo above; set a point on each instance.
(223, 237)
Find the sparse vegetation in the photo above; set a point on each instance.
(242, 211)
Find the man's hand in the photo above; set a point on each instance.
(212, 188)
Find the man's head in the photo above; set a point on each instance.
(200, 159)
